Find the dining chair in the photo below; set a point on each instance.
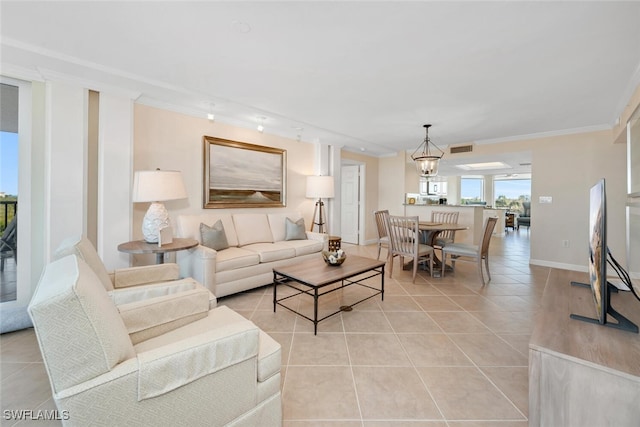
(404, 239)
(479, 253)
(381, 224)
(447, 236)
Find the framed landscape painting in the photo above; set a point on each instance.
(241, 175)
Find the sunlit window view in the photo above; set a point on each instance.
(471, 191)
(510, 193)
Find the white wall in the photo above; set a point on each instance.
(66, 113)
(115, 143)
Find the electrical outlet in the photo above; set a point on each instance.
(565, 243)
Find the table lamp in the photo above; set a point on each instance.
(157, 186)
(320, 187)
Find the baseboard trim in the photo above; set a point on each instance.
(559, 265)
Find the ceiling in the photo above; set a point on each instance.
(362, 75)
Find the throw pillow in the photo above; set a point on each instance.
(295, 230)
(213, 237)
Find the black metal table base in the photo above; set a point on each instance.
(314, 291)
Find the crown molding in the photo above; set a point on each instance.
(20, 73)
(563, 132)
(98, 86)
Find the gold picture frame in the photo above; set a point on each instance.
(242, 175)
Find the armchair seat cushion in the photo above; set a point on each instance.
(190, 358)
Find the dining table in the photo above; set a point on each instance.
(429, 233)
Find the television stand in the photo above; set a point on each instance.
(581, 375)
(623, 323)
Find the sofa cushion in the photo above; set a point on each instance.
(78, 326)
(277, 222)
(269, 252)
(213, 237)
(252, 228)
(188, 226)
(304, 247)
(295, 230)
(232, 258)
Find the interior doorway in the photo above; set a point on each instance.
(352, 178)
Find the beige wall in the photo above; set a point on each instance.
(168, 140)
(391, 183)
(565, 168)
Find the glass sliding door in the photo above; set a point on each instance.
(9, 163)
(15, 193)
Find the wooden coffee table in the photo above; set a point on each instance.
(313, 278)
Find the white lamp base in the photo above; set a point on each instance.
(154, 220)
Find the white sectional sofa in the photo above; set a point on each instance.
(256, 244)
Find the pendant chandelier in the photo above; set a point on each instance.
(426, 162)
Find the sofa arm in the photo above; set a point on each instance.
(135, 276)
(320, 237)
(199, 263)
(204, 354)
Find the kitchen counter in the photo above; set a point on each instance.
(472, 216)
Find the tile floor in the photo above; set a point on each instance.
(440, 352)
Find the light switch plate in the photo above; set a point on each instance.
(545, 199)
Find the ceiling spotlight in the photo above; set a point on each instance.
(261, 124)
(210, 116)
(426, 162)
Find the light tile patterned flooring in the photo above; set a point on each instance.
(440, 352)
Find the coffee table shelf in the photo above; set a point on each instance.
(314, 277)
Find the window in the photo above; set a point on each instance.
(471, 190)
(510, 193)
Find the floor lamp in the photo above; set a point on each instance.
(320, 187)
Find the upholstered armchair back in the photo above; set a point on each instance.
(73, 315)
(83, 249)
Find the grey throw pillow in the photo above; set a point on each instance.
(213, 237)
(295, 230)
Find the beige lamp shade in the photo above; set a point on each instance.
(320, 187)
(158, 186)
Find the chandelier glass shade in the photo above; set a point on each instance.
(426, 162)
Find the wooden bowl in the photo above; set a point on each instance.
(333, 258)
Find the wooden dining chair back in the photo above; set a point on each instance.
(404, 238)
(478, 253)
(381, 225)
(447, 236)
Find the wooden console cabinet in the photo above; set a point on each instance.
(582, 374)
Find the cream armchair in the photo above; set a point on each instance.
(151, 299)
(219, 370)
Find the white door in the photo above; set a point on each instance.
(350, 203)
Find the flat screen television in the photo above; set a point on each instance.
(598, 255)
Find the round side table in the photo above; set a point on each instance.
(334, 243)
(142, 247)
